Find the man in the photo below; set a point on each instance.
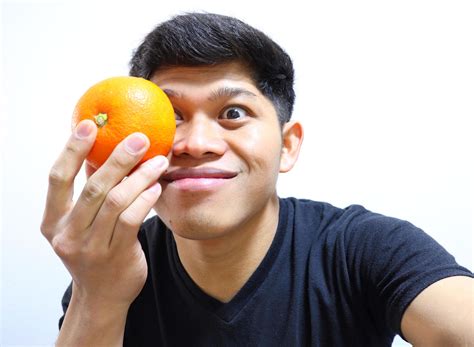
(227, 262)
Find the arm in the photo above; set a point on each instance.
(96, 238)
(92, 325)
(442, 314)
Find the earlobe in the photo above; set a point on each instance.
(292, 139)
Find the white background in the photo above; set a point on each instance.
(385, 91)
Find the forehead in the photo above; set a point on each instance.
(228, 74)
(204, 85)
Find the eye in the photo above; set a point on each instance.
(178, 118)
(233, 113)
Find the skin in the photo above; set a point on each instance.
(442, 314)
(251, 146)
(96, 237)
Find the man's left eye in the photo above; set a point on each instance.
(233, 113)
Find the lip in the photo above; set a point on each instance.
(196, 173)
(195, 179)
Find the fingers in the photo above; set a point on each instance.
(124, 157)
(63, 172)
(127, 205)
(131, 219)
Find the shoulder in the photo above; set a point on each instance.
(354, 221)
(366, 238)
(354, 235)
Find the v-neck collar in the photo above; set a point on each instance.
(227, 311)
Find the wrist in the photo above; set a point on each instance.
(93, 304)
(93, 323)
(99, 311)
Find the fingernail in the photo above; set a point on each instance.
(83, 129)
(135, 143)
(157, 162)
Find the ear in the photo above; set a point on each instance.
(292, 135)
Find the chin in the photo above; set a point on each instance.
(198, 230)
(198, 226)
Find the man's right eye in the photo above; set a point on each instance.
(178, 118)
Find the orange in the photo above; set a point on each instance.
(120, 106)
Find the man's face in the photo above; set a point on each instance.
(226, 153)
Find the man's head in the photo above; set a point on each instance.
(199, 39)
(232, 92)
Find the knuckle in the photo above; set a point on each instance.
(46, 229)
(46, 232)
(121, 160)
(129, 220)
(148, 197)
(57, 177)
(93, 191)
(72, 149)
(115, 200)
(62, 247)
(83, 254)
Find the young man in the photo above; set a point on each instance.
(227, 262)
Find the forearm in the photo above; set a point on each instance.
(88, 325)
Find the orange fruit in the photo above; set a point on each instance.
(120, 106)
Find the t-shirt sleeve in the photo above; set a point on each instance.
(394, 262)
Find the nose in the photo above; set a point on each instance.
(199, 137)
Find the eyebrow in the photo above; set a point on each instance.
(229, 92)
(223, 92)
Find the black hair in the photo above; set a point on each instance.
(197, 39)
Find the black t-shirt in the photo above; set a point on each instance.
(332, 277)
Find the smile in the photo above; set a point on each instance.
(195, 179)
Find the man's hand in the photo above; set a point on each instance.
(96, 238)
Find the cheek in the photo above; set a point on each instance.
(259, 148)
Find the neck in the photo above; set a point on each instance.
(222, 265)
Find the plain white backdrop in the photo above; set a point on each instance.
(384, 89)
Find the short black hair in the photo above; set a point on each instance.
(197, 39)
